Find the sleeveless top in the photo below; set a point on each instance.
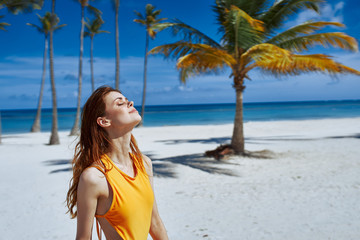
(132, 203)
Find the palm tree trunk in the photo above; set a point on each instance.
(92, 64)
(144, 86)
(117, 46)
(75, 128)
(237, 141)
(54, 138)
(36, 125)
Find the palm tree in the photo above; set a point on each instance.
(116, 6)
(75, 128)
(43, 29)
(93, 28)
(153, 26)
(250, 39)
(54, 137)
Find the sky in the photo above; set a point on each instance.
(21, 57)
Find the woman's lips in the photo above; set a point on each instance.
(132, 111)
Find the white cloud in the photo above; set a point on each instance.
(328, 13)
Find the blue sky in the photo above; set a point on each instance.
(22, 50)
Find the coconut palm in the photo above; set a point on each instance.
(116, 6)
(93, 28)
(54, 137)
(83, 4)
(43, 29)
(251, 37)
(153, 26)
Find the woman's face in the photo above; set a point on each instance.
(120, 112)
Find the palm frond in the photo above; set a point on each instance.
(3, 25)
(298, 64)
(18, 6)
(191, 34)
(93, 10)
(303, 28)
(182, 48)
(253, 7)
(240, 31)
(40, 30)
(143, 22)
(139, 15)
(59, 27)
(202, 63)
(335, 39)
(186, 72)
(281, 10)
(263, 53)
(238, 14)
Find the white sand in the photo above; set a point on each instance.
(311, 190)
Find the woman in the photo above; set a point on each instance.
(112, 180)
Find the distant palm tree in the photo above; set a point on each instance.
(250, 39)
(116, 6)
(54, 137)
(75, 128)
(43, 29)
(153, 26)
(93, 28)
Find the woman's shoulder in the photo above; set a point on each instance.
(92, 176)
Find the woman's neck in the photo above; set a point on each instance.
(120, 149)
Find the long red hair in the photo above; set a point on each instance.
(93, 143)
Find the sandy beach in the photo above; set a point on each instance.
(309, 190)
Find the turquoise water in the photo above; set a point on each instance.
(17, 121)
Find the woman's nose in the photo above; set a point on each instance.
(130, 103)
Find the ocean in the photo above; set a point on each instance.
(20, 121)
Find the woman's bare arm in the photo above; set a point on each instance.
(88, 192)
(157, 228)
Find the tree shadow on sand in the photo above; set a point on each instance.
(195, 161)
(59, 162)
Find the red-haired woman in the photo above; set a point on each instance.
(112, 180)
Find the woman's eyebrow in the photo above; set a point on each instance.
(120, 98)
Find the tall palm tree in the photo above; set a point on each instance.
(250, 38)
(152, 26)
(43, 29)
(54, 137)
(75, 128)
(93, 28)
(116, 6)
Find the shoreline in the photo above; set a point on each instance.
(205, 124)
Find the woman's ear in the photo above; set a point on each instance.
(103, 122)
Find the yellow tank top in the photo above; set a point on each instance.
(132, 203)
